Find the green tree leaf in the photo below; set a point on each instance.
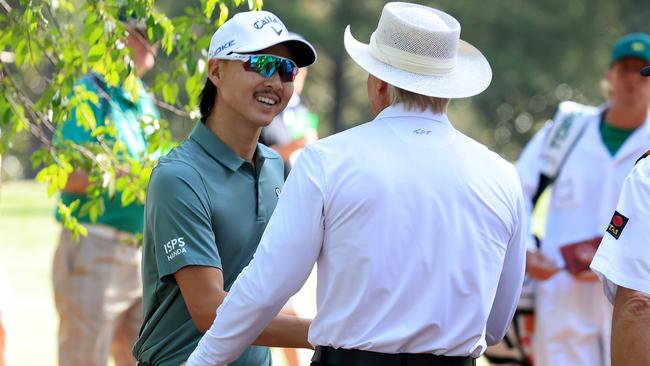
(223, 14)
(55, 44)
(96, 53)
(85, 116)
(208, 8)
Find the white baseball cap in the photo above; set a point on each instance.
(256, 30)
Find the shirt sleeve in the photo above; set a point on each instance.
(529, 167)
(625, 260)
(512, 277)
(178, 214)
(280, 266)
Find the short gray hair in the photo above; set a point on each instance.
(419, 101)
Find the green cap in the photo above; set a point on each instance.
(632, 45)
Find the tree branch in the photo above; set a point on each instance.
(173, 109)
(6, 6)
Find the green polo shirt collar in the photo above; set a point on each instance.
(221, 152)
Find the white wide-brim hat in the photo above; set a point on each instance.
(418, 49)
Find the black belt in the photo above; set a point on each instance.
(353, 357)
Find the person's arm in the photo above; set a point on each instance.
(631, 328)
(77, 182)
(511, 279)
(539, 266)
(178, 214)
(202, 290)
(203, 293)
(281, 264)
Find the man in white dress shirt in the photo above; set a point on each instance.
(417, 229)
(623, 264)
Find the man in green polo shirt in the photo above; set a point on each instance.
(210, 199)
(97, 281)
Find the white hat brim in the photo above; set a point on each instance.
(471, 75)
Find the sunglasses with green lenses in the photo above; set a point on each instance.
(267, 65)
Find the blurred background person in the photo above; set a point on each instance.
(573, 318)
(5, 288)
(292, 129)
(623, 264)
(97, 281)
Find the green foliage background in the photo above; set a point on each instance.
(541, 52)
(57, 42)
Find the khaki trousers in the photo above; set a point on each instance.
(98, 295)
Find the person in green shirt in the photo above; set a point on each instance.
(97, 281)
(210, 198)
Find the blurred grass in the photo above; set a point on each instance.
(29, 235)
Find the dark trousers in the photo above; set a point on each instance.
(328, 356)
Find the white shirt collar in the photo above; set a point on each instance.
(399, 111)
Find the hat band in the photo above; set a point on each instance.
(410, 62)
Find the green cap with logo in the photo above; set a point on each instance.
(635, 45)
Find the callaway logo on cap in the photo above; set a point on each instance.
(257, 30)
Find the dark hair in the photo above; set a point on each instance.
(208, 98)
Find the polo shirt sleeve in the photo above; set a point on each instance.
(286, 253)
(71, 129)
(623, 257)
(178, 217)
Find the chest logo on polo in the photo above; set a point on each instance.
(175, 247)
(277, 192)
(616, 225)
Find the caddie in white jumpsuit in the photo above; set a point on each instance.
(573, 317)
